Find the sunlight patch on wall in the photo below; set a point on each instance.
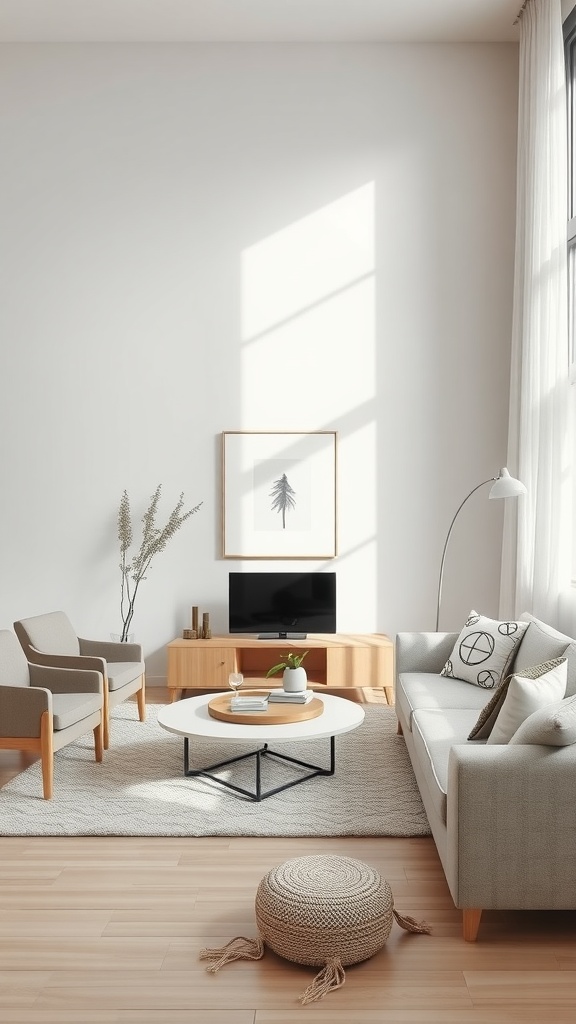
(307, 262)
(307, 321)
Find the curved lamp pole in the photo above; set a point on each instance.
(503, 486)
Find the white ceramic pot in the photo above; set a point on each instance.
(295, 680)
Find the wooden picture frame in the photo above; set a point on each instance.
(279, 494)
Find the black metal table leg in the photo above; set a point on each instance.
(263, 751)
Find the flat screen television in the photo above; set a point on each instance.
(282, 605)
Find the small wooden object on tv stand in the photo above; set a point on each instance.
(334, 661)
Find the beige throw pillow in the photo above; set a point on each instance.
(525, 696)
(491, 710)
(484, 650)
(552, 726)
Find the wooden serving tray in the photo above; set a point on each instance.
(277, 714)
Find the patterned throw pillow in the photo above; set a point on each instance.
(524, 697)
(484, 650)
(491, 710)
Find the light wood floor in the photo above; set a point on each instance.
(108, 930)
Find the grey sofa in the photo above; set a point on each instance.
(503, 817)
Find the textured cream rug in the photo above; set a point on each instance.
(139, 788)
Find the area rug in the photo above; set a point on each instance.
(139, 788)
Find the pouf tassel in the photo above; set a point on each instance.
(239, 948)
(331, 976)
(420, 927)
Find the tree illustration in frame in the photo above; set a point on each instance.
(284, 497)
(279, 494)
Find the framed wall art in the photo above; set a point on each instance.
(279, 494)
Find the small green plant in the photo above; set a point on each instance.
(289, 661)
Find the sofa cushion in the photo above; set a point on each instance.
(491, 710)
(542, 642)
(551, 726)
(434, 733)
(431, 690)
(526, 694)
(484, 650)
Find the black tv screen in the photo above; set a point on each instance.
(282, 604)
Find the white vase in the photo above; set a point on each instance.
(117, 638)
(295, 680)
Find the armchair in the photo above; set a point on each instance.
(50, 639)
(42, 709)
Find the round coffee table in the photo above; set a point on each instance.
(190, 718)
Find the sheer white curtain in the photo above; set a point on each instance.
(538, 529)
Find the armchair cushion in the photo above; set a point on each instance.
(122, 673)
(70, 708)
(13, 664)
(52, 633)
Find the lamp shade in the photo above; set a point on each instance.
(506, 486)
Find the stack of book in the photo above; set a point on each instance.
(283, 697)
(249, 703)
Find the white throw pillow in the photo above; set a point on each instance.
(484, 650)
(552, 726)
(524, 697)
(487, 717)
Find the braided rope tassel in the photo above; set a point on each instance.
(239, 948)
(331, 976)
(411, 925)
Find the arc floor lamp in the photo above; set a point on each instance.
(503, 486)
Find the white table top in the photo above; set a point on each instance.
(190, 717)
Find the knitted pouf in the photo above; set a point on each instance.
(323, 911)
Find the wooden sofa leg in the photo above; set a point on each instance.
(471, 924)
(399, 728)
(141, 698)
(47, 754)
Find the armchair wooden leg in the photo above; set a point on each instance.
(471, 924)
(141, 698)
(99, 741)
(47, 754)
(106, 717)
(399, 729)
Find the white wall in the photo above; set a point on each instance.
(201, 238)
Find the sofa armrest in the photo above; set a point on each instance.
(21, 708)
(511, 826)
(110, 651)
(67, 680)
(423, 652)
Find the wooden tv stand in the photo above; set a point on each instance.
(334, 661)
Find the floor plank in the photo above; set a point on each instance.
(108, 930)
